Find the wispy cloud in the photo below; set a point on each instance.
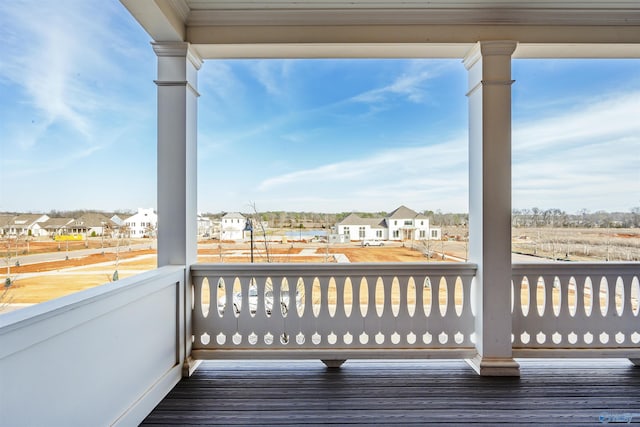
(585, 158)
(61, 74)
(273, 76)
(407, 86)
(218, 80)
(593, 120)
(381, 180)
(410, 85)
(79, 98)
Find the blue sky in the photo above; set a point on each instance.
(77, 125)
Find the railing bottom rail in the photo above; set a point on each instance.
(576, 353)
(457, 353)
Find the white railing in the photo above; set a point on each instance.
(332, 310)
(575, 309)
(103, 356)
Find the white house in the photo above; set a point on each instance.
(401, 224)
(205, 226)
(5, 223)
(232, 226)
(142, 224)
(406, 224)
(354, 227)
(28, 224)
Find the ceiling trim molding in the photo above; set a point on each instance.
(417, 16)
(180, 8)
(408, 4)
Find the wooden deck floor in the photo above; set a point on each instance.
(579, 392)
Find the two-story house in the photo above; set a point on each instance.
(232, 226)
(406, 224)
(402, 224)
(142, 224)
(205, 226)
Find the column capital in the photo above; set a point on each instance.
(177, 49)
(489, 48)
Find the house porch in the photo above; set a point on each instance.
(108, 355)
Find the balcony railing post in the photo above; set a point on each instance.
(489, 68)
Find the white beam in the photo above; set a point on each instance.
(489, 67)
(163, 20)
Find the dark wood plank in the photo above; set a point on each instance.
(578, 392)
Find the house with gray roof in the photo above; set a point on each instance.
(402, 224)
(57, 226)
(355, 227)
(27, 225)
(5, 221)
(232, 226)
(92, 224)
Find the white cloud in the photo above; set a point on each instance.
(60, 59)
(586, 158)
(596, 120)
(219, 82)
(410, 85)
(273, 75)
(418, 176)
(80, 99)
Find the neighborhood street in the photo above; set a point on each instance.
(79, 253)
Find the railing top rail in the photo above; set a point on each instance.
(55, 307)
(331, 269)
(565, 268)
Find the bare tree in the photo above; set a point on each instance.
(263, 230)
(5, 297)
(123, 230)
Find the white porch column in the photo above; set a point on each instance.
(489, 67)
(177, 172)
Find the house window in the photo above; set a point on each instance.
(422, 234)
(396, 234)
(434, 234)
(395, 222)
(361, 232)
(346, 231)
(379, 233)
(408, 222)
(421, 222)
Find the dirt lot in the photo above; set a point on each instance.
(574, 244)
(40, 282)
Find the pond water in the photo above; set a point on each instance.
(295, 234)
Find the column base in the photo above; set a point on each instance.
(189, 366)
(635, 362)
(494, 366)
(333, 364)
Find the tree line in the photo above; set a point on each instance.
(528, 217)
(536, 217)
